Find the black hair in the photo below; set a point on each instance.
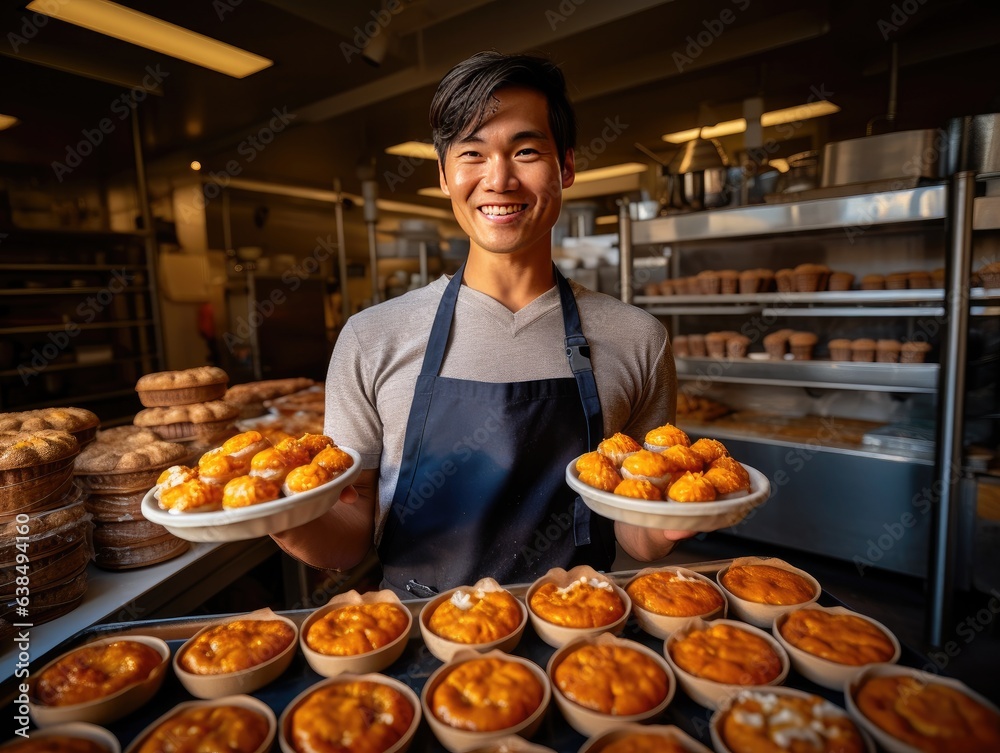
(465, 96)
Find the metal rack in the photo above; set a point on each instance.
(952, 204)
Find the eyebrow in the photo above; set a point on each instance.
(474, 138)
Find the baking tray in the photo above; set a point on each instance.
(416, 664)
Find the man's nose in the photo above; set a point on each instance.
(500, 175)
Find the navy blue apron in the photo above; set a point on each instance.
(481, 490)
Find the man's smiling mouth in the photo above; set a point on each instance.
(501, 210)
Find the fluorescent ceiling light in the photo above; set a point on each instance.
(779, 163)
(6, 121)
(606, 219)
(418, 149)
(432, 191)
(739, 125)
(612, 171)
(138, 28)
(387, 205)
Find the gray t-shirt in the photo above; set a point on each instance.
(377, 358)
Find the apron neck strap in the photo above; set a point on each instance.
(578, 355)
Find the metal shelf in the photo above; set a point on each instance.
(133, 289)
(825, 297)
(75, 365)
(69, 267)
(840, 375)
(55, 325)
(23, 233)
(862, 211)
(77, 399)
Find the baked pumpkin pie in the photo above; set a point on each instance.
(583, 603)
(235, 646)
(95, 671)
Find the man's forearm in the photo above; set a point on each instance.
(340, 538)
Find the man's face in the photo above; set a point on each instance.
(504, 179)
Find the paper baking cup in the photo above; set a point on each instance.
(829, 674)
(600, 742)
(715, 724)
(443, 648)
(709, 693)
(758, 614)
(557, 635)
(243, 701)
(662, 625)
(400, 746)
(245, 680)
(372, 661)
(111, 707)
(511, 744)
(460, 740)
(588, 721)
(886, 740)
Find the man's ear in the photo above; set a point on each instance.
(442, 179)
(569, 169)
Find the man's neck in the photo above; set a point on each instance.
(513, 280)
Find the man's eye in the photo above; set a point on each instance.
(527, 151)
(469, 153)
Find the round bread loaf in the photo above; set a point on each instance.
(79, 422)
(197, 385)
(25, 455)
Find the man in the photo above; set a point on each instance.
(468, 398)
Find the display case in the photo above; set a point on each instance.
(820, 426)
(78, 321)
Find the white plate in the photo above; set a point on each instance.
(674, 516)
(256, 520)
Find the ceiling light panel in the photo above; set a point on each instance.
(153, 33)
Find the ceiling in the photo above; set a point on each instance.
(647, 66)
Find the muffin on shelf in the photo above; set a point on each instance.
(841, 281)
(749, 282)
(918, 280)
(937, 278)
(680, 345)
(802, 344)
(696, 344)
(809, 278)
(785, 280)
(737, 346)
(989, 275)
(840, 349)
(715, 344)
(914, 352)
(897, 280)
(887, 351)
(776, 344)
(709, 282)
(863, 350)
(873, 282)
(729, 281)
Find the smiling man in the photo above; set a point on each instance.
(468, 398)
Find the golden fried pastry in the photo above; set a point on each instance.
(486, 694)
(930, 716)
(618, 447)
(762, 721)
(612, 679)
(218, 467)
(709, 449)
(651, 466)
(683, 458)
(644, 742)
(732, 465)
(193, 495)
(245, 445)
(313, 443)
(334, 460)
(296, 452)
(674, 594)
(95, 671)
(54, 744)
(359, 716)
(584, 603)
(235, 646)
(591, 461)
(356, 629)
(233, 729)
(172, 476)
(665, 436)
(244, 491)
(842, 638)
(639, 489)
(306, 477)
(726, 481)
(691, 487)
(603, 477)
(728, 654)
(476, 616)
(766, 584)
(273, 464)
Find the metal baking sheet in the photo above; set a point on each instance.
(415, 666)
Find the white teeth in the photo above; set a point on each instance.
(500, 211)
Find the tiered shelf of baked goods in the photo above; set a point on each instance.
(948, 225)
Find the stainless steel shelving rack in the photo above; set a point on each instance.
(952, 203)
